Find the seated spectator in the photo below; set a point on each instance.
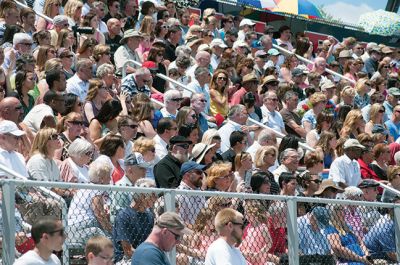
(144, 114)
(192, 179)
(318, 101)
(86, 214)
(350, 250)
(288, 183)
(328, 189)
(99, 249)
(146, 147)
(265, 138)
(309, 182)
(191, 132)
(345, 168)
(69, 128)
(393, 124)
(272, 118)
(167, 171)
(393, 176)
(105, 121)
(366, 157)
(24, 82)
(203, 154)
(375, 117)
(363, 87)
(134, 223)
(135, 169)
(243, 168)
(127, 128)
(324, 124)
(238, 144)
(75, 167)
(220, 177)
(97, 95)
(277, 228)
(313, 244)
(380, 240)
(172, 101)
(166, 129)
(352, 213)
(353, 125)
(326, 146)
(381, 153)
(289, 160)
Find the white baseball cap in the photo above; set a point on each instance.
(218, 42)
(7, 126)
(246, 21)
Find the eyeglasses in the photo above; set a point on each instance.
(160, 54)
(165, 27)
(132, 126)
(105, 258)
(59, 231)
(26, 43)
(153, 150)
(242, 225)
(316, 181)
(89, 153)
(20, 107)
(230, 175)
(203, 100)
(80, 123)
(54, 137)
(381, 111)
(177, 236)
(67, 56)
(194, 116)
(176, 99)
(184, 146)
(222, 78)
(386, 66)
(147, 81)
(173, 128)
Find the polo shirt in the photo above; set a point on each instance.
(345, 170)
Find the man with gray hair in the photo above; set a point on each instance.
(22, 44)
(172, 101)
(199, 102)
(138, 82)
(291, 119)
(100, 7)
(203, 59)
(201, 84)
(78, 84)
(60, 22)
(105, 72)
(237, 118)
(265, 138)
(272, 118)
(289, 160)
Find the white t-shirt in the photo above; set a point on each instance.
(35, 116)
(32, 258)
(14, 161)
(220, 252)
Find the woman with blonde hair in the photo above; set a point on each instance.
(219, 85)
(375, 117)
(318, 101)
(326, 146)
(73, 10)
(210, 137)
(362, 98)
(146, 146)
(101, 54)
(69, 128)
(353, 125)
(265, 158)
(51, 9)
(148, 25)
(347, 246)
(97, 95)
(45, 53)
(186, 115)
(86, 48)
(243, 165)
(66, 39)
(41, 164)
(347, 96)
(324, 123)
(220, 177)
(350, 70)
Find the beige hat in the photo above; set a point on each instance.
(350, 143)
(327, 84)
(345, 54)
(249, 78)
(192, 40)
(387, 50)
(269, 79)
(130, 33)
(204, 47)
(172, 220)
(328, 183)
(200, 150)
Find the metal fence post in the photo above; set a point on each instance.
(169, 204)
(8, 214)
(396, 215)
(293, 237)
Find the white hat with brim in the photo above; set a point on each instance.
(10, 127)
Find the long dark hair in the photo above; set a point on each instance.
(20, 78)
(110, 110)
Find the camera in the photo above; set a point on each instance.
(83, 30)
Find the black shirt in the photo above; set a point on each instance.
(113, 43)
(167, 172)
(170, 51)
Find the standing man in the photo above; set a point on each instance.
(48, 235)
(167, 232)
(229, 224)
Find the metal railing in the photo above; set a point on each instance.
(277, 133)
(9, 187)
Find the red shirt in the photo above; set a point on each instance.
(117, 174)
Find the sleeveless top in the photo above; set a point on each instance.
(215, 109)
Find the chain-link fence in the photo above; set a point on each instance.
(277, 229)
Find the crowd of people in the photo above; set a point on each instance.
(68, 113)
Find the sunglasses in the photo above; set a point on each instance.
(317, 181)
(26, 44)
(176, 99)
(80, 123)
(194, 116)
(203, 100)
(153, 150)
(381, 111)
(132, 126)
(184, 146)
(59, 231)
(89, 153)
(230, 175)
(222, 78)
(273, 99)
(54, 137)
(165, 27)
(177, 236)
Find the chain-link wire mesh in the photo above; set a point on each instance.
(327, 233)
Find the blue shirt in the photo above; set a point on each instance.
(381, 238)
(310, 117)
(394, 129)
(131, 226)
(361, 101)
(149, 254)
(311, 242)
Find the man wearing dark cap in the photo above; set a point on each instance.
(313, 245)
(299, 77)
(135, 168)
(167, 171)
(167, 232)
(370, 215)
(192, 179)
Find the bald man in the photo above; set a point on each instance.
(113, 35)
(11, 109)
(203, 59)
